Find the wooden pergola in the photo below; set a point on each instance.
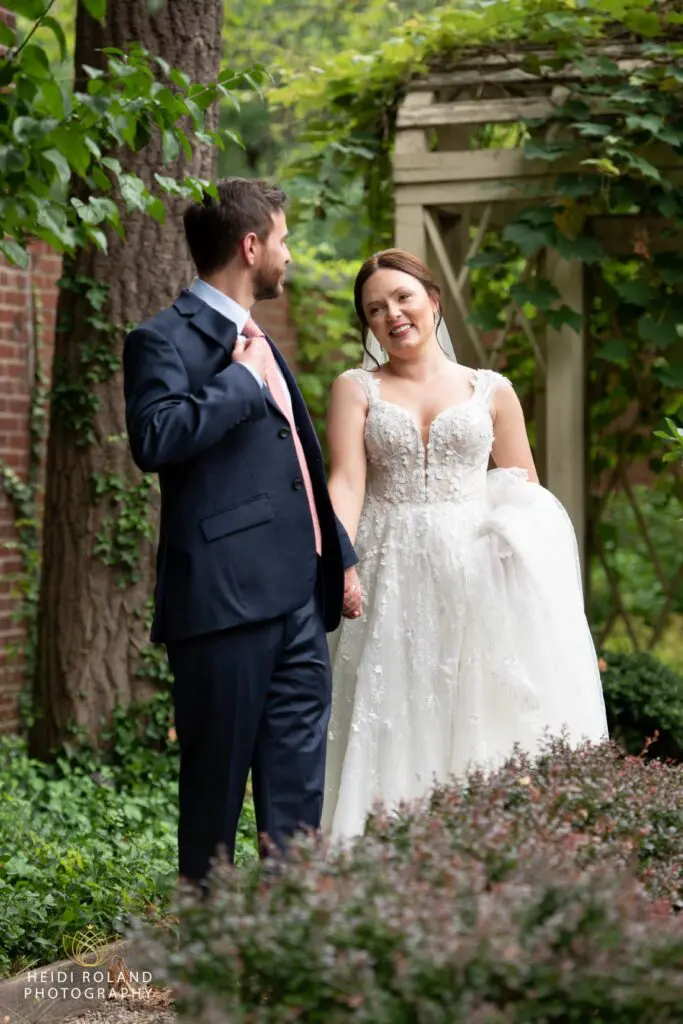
(449, 193)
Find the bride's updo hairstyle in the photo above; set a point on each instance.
(392, 259)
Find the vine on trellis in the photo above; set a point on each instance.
(623, 125)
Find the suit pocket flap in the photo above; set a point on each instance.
(241, 517)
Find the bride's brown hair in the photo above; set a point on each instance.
(392, 259)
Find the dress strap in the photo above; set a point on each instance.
(487, 382)
(367, 381)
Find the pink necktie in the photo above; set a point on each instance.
(277, 388)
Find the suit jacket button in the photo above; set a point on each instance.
(285, 432)
(298, 484)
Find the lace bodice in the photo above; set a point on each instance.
(451, 466)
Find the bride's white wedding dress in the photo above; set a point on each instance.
(473, 635)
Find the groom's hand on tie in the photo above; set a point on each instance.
(253, 352)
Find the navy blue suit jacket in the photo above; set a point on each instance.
(236, 542)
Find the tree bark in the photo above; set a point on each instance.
(92, 615)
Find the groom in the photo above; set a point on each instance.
(252, 566)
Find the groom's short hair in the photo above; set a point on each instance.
(214, 228)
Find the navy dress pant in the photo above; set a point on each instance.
(252, 698)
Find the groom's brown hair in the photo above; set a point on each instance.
(214, 228)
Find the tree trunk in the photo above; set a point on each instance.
(100, 513)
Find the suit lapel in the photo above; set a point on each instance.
(206, 319)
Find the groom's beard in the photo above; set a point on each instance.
(268, 283)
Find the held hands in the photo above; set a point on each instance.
(252, 352)
(353, 596)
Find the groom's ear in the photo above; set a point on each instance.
(248, 248)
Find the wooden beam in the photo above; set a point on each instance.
(621, 235)
(409, 231)
(453, 196)
(488, 111)
(414, 140)
(564, 426)
(491, 164)
(503, 74)
(451, 281)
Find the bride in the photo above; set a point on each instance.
(473, 636)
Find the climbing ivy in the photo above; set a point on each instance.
(24, 497)
(128, 524)
(622, 129)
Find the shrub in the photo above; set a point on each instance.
(644, 697)
(543, 893)
(90, 839)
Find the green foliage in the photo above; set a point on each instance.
(52, 137)
(673, 435)
(328, 338)
(543, 893)
(91, 839)
(644, 698)
(620, 533)
(129, 523)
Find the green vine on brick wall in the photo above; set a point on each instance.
(24, 499)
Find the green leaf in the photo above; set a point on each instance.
(29, 9)
(592, 129)
(564, 317)
(170, 146)
(60, 163)
(14, 252)
(133, 192)
(52, 99)
(645, 168)
(588, 250)
(7, 37)
(541, 294)
(603, 165)
(529, 239)
(644, 122)
(99, 238)
(636, 293)
(661, 333)
(486, 318)
(112, 164)
(670, 374)
(488, 259)
(70, 142)
(547, 150)
(58, 32)
(52, 217)
(643, 23)
(96, 8)
(34, 62)
(616, 350)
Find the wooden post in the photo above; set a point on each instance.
(409, 230)
(564, 444)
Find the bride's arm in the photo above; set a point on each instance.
(346, 414)
(511, 449)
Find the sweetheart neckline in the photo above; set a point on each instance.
(414, 420)
(476, 377)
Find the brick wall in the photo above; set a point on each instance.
(27, 322)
